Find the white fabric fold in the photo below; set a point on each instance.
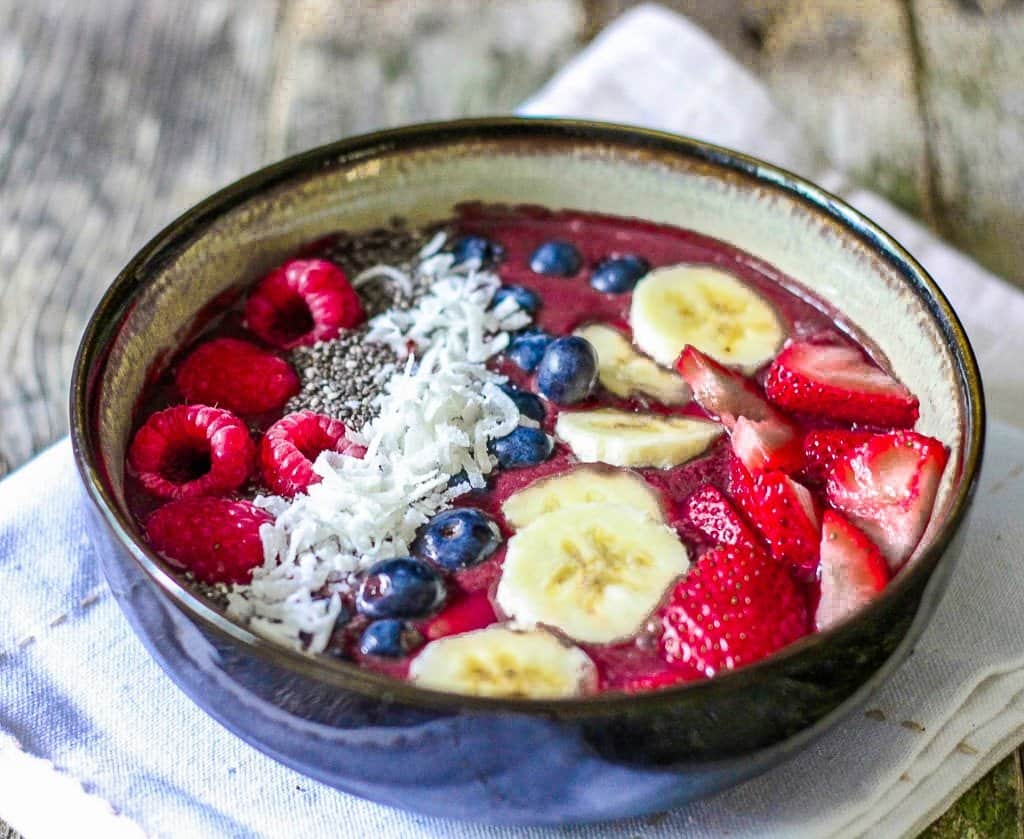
(100, 729)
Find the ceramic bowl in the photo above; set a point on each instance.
(517, 761)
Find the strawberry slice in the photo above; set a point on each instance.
(853, 570)
(887, 487)
(840, 383)
(761, 437)
(712, 514)
(474, 611)
(821, 448)
(783, 511)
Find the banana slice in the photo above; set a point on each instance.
(498, 661)
(705, 307)
(622, 438)
(595, 572)
(625, 372)
(583, 485)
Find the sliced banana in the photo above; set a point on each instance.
(707, 308)
(625, 372)
(498, 661)
(582, 485)
(621, 438)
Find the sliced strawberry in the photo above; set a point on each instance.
(474, 611)
(783, 511)
(735, 606)
(887, 487)
(821, 448)
(712, 514)
(293, 443)
(853, 570)
(838, 382)
(761, 436)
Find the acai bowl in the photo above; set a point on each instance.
(596, 496)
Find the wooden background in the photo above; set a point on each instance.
(116, 115)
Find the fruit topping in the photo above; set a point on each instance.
(526, 299)
(556, 259)
(887, 486)
(524, 446)
(736, 606)
(594, 571)
(477, 248)
(529, 404)
(624, 438)
(713, 515)
(217, 539)
(302, 302)
(400, 588)
(627, 373)
(618, 274)
(474, 611)
(822, 447)
(527, 349)
(457, 539)
(292, 444)
(389, 638)
(853, 570)
(567, 373)
(192, 450)
(705, 308)
(838, 382)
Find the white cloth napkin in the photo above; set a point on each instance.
(96, 740)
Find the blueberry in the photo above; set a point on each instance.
(400, 588)
(527, 349)
(568, 371)
(527, 403)
(389, 638)
(525, 446)
(557, 259)
(477, 247)
(528, 300)
(457, 539)
(619, 274)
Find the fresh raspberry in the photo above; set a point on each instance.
(292, 444)
(736, 606)
(237, 376)
(192, 450)
(217, 539)
(302, 302)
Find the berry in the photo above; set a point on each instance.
(483, 250)
(523, 447)
(853, 570)
(400, 588)
(528, 300)
(293, 443)
(557, 259)
(389, 638)
(474, 611)
(237, 376)
(617, 275)
(658, 679)
(217, 539)
(568, 371)
(821, 448)
(529, 404)
(838, 382)
(712, 514)
(887, 486)
(192, 450)
(735, 606)
(302, 302)
(457, 539)
(527, 349)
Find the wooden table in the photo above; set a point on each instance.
(115, 115)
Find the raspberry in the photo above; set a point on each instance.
(237, 376)
(292, 444)
(734, 607)
(302, 302)
(192, 450)
(217, 539)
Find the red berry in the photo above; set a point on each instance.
(474, 611)
(302, 302)
(217, 539)
(238, 376)
(821, 448)
(192, 450)
(840, 383)
(735, 606)
(292, 444)
(712, 514)
(887, 486)
(853, 570)
(657, 679)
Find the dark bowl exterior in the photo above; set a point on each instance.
(549, 763)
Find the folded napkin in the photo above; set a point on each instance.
(96, 740)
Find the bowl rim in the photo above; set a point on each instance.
(91, 356)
